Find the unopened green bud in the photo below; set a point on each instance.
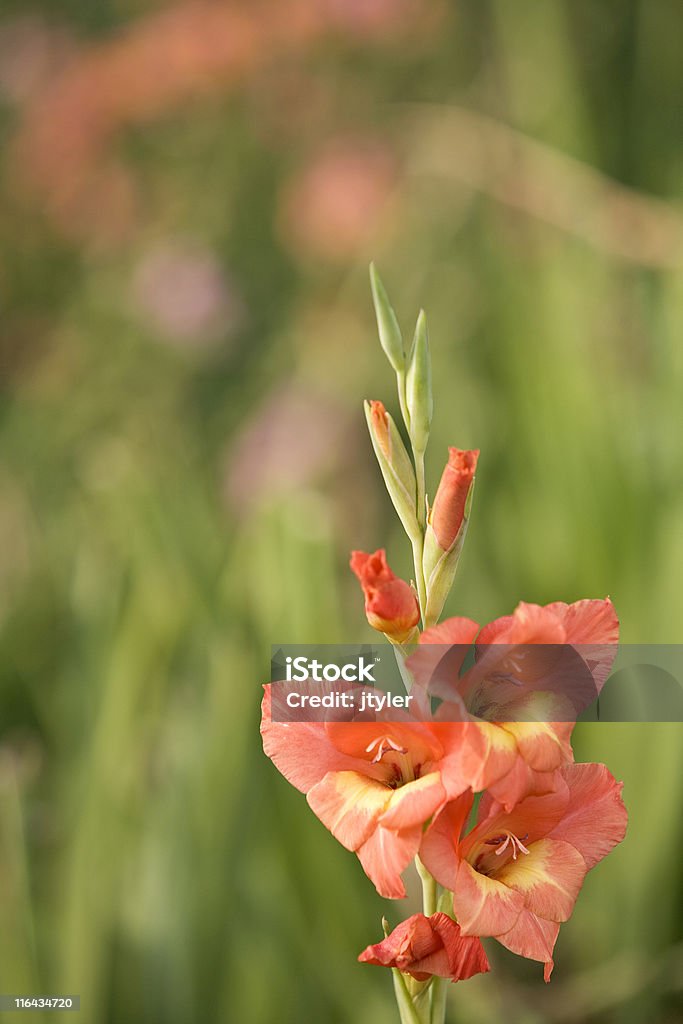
(387, 324)
(419, 387)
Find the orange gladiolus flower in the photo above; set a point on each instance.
(391, 604)
(516, 758)
(517, 874)
(374, 785)
(426, 946)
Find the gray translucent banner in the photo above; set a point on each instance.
(491, 682)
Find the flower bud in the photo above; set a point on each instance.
(419, 387)
(446, 528)
(391, 604)
(394, 461)
(448, 511)
(387, 324)
(427, 947)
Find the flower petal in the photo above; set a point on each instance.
(549, 878)
(482, 905)
(529, 624)
(588, 621)
(435, 664)
(440, 842)
(543, 745)
(414, 803)
(302, 751)
(532, 937)
(595, 819)
(385, 855)
(349, 804)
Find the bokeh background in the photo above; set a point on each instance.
(190, 193)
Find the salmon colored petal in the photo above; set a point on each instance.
(594, 627)
(587, 621)
(549, 878)
(496, 632)
(482, 905)
(436, 663)
(456, 630)
(543, 745)
(414, 803)
(520, 782)
(440, 842)
(488, 753)
(349, 804)
(410, 941)
(595, 819)
(303, 752)
(529, 624)
(385, 855)
(535, 816)
(532, 937)
(465, 748)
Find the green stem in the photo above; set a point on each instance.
(402, 401)
(418, 541)
(418, 548)
(438, 1001)
(404, 1001)
(420, 477)
(430, 893)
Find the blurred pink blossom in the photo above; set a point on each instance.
(31, 52)
(294, 437)
(181, 289)
(372, 17)
(337, 204)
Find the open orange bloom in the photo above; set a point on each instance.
(520, 757)
(391, 604)
(373, 784)
(517, 874)
(426, 946)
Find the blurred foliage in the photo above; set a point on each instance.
(190, 194)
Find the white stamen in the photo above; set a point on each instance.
(383, 744)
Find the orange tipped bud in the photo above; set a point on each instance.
(446, 528)
(391, 604)
(448, 511)
(394, 461)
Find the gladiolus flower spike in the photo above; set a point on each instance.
(394, 792)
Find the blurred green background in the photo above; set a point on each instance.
(190, 194)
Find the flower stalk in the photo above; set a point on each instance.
(404, 790)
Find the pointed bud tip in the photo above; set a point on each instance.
(387, 324)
